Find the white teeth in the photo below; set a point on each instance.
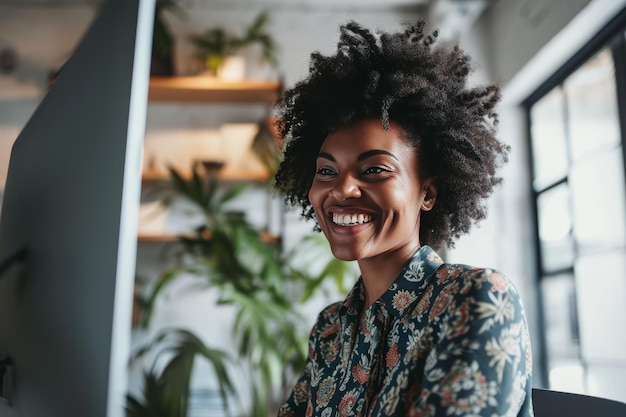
(351, 219)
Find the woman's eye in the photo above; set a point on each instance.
(375, 170)
(325, 171)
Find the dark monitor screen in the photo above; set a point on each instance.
(70, 207)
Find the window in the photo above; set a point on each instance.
(579, 189)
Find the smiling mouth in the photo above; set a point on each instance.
(351, 219)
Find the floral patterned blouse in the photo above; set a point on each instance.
(444, 340)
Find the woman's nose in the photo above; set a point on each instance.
(345, 187)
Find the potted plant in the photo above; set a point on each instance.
(255, 278)
(215, 45)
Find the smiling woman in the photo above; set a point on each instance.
(392, 155)
(365, 172)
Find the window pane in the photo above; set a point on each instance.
(598, 196)
(606, 380)
(548, 139)
(555, 225)
(561, 333)
(601, 297)
(578, 155)
(592, 106)
(559, 306)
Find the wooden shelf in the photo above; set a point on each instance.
(151, 176)
(201, 89)
(153, 238)
(168, 238)
(209, 90)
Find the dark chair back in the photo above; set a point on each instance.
(548, 403)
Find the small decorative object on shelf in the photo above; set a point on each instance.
(212, 168)
(8, 60)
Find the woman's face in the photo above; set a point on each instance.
(367, 194)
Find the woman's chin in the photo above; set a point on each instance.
(345, 254)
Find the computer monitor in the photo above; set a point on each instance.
(69, 212)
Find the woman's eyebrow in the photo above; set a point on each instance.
(361, 157)
(326, 156)
(373, 152)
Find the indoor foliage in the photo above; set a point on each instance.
(264, 285)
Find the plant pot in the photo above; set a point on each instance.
(233, 68)
(212, 64)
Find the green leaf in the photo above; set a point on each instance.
(169, 390)
(232, 193)
(165, 279)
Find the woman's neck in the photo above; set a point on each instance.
(379, 272)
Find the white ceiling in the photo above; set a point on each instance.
(237, 3)
(451, 17)
(364, 4)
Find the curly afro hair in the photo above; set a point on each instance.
(405, 79)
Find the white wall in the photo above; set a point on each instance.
(519, 29)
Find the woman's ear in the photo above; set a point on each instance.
(429, 188)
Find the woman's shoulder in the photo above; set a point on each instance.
(475, 280)
(470, 297)
(329, 314)
(332, 309)
(328, 323)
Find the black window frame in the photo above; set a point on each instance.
(613, 36)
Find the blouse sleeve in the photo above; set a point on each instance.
(481, 362)
(298, 401)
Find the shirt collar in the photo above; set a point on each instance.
(405, 291)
